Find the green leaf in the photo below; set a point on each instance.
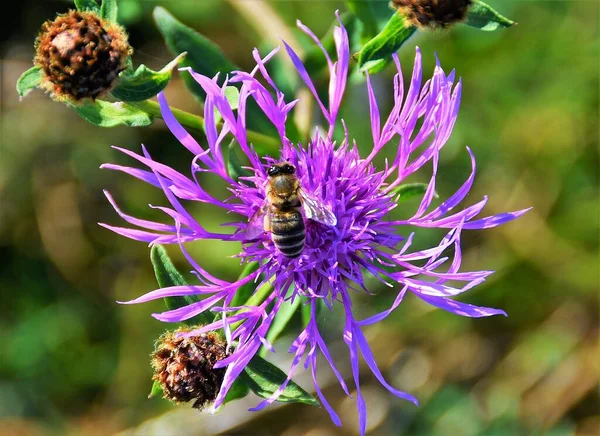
(239, 389)
(156, 390)
(484, 17)
(29, 80)
(410, 190)
(204, 56)
(365, 12)
(377, 53)
(108, 11)
(144, 83)
(234, 166)
(87, 5)
(166, 276)
(107, 114)
(264, 379)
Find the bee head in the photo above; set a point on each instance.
(281, 168)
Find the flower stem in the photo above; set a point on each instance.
(263, 144)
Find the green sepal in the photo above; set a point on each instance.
(156, 390)
(166, 276)
(484, 17)
(111, 114)
(108, 10)
(29, 80)
(264, 379)
(239, 389)
(144, 83)
(87, 6)
(410, 190)
(377, 53)
(234, 166)
(204, 56)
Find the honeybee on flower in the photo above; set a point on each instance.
(337, 225)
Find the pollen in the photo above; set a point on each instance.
(81, 55)
(434, 14)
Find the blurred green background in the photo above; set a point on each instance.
(73, 361)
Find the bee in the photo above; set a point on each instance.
(281, 215)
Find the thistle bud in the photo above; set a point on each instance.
(81, 55)
(434, 14)
(184, 367)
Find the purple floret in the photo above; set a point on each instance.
(335, 258)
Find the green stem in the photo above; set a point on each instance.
(261, 142)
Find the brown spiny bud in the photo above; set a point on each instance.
(184, 367)
(81, 55)
(434, 14)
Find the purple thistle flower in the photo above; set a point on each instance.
(334, 258)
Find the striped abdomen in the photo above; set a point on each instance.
(287, 232)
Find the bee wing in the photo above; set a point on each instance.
(316, 210)
(256, 223)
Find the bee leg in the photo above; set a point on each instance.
(267, 222)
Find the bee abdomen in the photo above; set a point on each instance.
(290, 245)
(288, 233)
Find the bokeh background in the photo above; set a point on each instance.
(73, 361)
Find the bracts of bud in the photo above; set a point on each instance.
(433, 14)
(184, 367)
(81, 55)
